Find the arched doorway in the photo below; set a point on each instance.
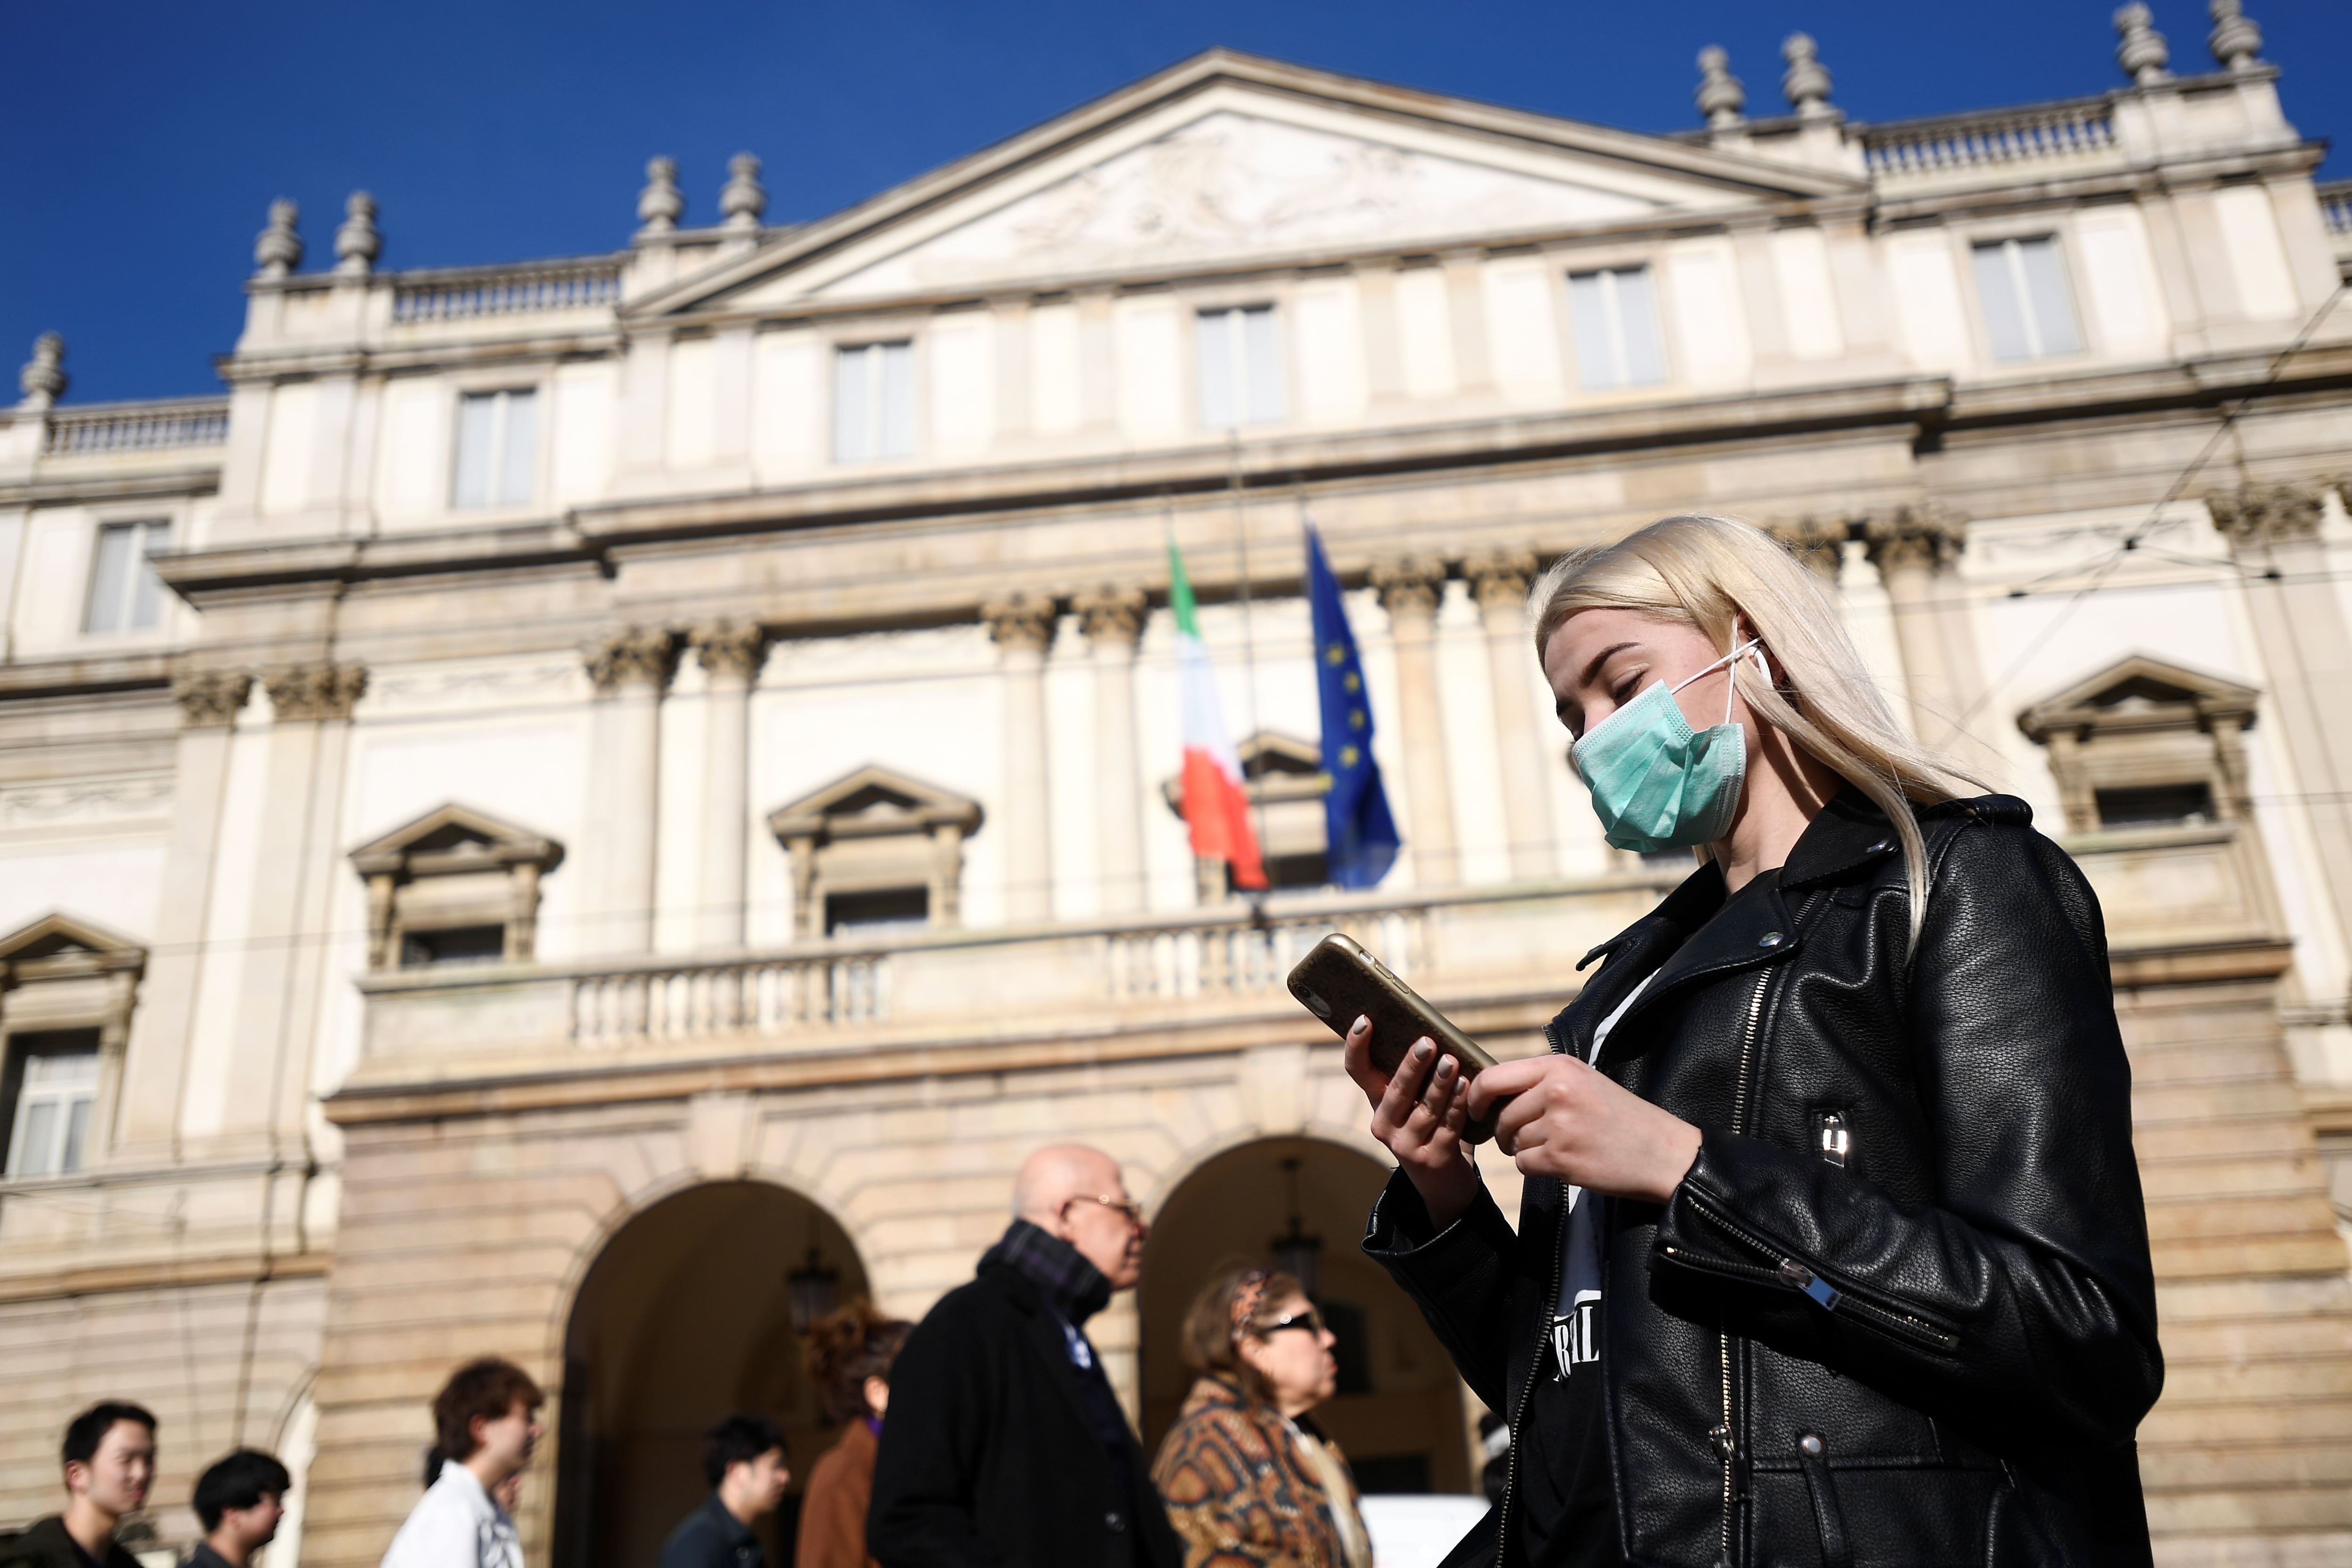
(1399, 1411)
(686, 1316)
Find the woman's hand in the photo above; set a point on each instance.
(1418, 1115)
(1558, 1117)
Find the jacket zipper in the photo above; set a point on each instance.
(1725, 1436)
(1527, 1391)
(1792, 1273)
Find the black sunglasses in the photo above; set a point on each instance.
(1310, 1320)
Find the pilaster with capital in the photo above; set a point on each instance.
(281, 979)
(731, 653)
(631, 668)
(1498, 581)
(1912, 547)
(1112, 619)
(2306, 648)
(1022, 624)
(147, 1121)
(1411, 590)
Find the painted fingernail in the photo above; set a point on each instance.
(1421, 1053)
(1445, 1066)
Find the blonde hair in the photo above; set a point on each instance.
(1714, 573)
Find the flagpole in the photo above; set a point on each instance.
(1249, 643)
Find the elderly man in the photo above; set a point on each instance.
(1005, 1443)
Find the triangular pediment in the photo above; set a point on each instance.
(62, 944)
(874, 801)
(2141, 690)
(1229, 159)
(447, 837)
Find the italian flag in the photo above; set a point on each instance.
(1214, 806)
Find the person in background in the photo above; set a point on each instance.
(1005, 1443)
(108, 1456)
(239, 1501)
(1249, 1481)
(484, 1424)
(748, 1466)
(849, 1357)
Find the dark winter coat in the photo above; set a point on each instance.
(989, 1454)
(44, 1544)
(1934, 1354)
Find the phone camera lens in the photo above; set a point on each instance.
(1314, 1003)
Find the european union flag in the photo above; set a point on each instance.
(1360, 834)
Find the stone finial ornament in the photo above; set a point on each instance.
(2141, 52)
(277, 249)
(357, 243)
(661, 202)
(743, 199)
(42, 380)
(1720, 97)
(1806, 83)
(2235, 41)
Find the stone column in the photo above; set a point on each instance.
(1411, 590)
(1499, 580)
(1113, 619)
(631, 669)
(731, 652)
(147, 1123)
(2299, 625)
(1022, 626)
(303, 787)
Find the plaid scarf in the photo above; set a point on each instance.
(1074, 1286)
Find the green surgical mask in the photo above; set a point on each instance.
(1656, 782)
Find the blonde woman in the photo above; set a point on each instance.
(1831, 1250)
(1249, 1481)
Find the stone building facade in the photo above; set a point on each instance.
(588, 803)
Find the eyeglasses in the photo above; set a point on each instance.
(1310, 1320)
(1127, 1209)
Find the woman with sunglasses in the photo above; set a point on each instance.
(1830, 1249)
(1248, 1480)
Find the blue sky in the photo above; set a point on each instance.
(148, 138)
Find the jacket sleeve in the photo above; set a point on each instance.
(2020, 1305)
(833, 1517)
(927, 1463)
(1459, 1277)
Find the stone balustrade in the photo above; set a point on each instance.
(2172, 896)
(2069, 136)
(463, 294)
(1166, 969)
(110, 428)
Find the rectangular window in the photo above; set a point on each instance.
(878, 912)
(2029, 310)
(124, 593)
(2150, 805)
(497, 449)
(1615, 316)
(455, 944)
(56, 1084)
(1241, 368)
(873, 401)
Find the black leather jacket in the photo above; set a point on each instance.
(1935, 1353)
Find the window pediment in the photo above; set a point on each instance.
(876, 850)
(60, 947)
(2141, 693)
(454, 870)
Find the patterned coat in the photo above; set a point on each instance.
(1238, 1490)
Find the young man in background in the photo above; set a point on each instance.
(110, 1461)
(239, 1501)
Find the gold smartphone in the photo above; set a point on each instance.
(1338, 982)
